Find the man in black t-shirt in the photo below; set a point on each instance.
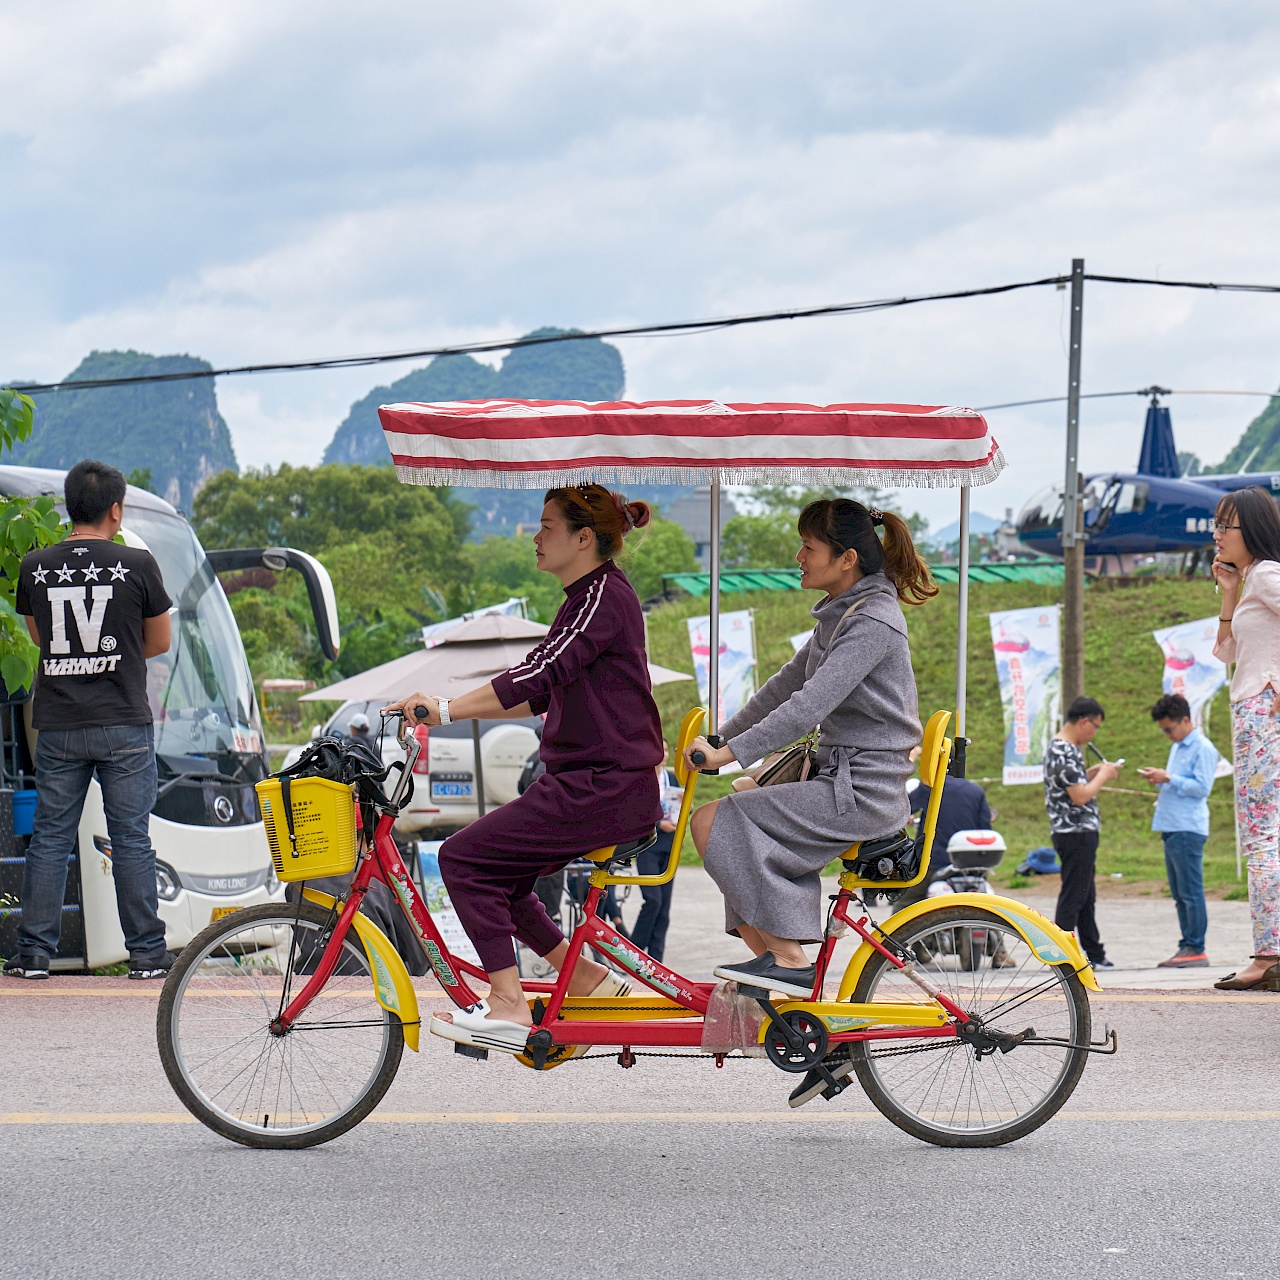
(98, 611)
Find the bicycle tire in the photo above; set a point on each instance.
(915, 1097)
(215, 964)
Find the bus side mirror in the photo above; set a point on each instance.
(316, 731)
(324, 607)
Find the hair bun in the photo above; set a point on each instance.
(638, 514)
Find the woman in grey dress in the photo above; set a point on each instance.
(766, 847)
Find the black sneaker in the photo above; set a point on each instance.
(765, 971)
(1103, 964)
(837, 1063)
(142, 970)
(30, 967)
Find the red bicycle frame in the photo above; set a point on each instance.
(381, 860)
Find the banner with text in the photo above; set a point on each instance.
(1025, 642)
(737, 659)
(1191, 669)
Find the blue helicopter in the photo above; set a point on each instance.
(1152, 510)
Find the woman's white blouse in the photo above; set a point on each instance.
(1254, 642)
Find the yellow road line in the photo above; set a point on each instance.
(615, 1117)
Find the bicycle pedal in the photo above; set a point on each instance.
(472, 1051)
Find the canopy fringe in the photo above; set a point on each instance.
(818, 477)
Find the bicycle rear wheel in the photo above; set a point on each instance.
(957, 1094)
(213, 1028)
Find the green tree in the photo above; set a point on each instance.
(760, 542)
(663, 547)
(500, 568)
(25, 524)
(393, 551)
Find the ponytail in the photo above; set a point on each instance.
(845, 525)
(903, 564)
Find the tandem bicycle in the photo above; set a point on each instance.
(283, 1025)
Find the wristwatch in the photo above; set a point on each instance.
(444, 711)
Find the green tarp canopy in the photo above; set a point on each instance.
(1046, 571)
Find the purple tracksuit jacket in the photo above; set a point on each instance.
(601, 745)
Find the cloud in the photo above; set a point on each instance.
(250, 183)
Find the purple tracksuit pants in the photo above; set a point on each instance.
(490, 867)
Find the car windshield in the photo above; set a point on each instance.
(201, 693)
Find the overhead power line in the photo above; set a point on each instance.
(675, 328)
(1141, 391)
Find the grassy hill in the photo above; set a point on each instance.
(1123, 666)
(1259, 446)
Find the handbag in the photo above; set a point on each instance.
(797, 763)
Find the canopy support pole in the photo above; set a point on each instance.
(713, 565)
(962, 639)
(479, 767)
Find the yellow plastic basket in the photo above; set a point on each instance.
(324, 827)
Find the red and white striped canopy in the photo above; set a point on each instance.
(535, 444)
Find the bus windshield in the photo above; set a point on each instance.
(201, 693)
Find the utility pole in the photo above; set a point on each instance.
(1072, 511)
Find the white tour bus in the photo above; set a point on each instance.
(210, 846)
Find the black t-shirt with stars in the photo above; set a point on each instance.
(89, 598)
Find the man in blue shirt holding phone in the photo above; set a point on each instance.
(1182, 818)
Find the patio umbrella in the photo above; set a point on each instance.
(530, 444)
(462, 657)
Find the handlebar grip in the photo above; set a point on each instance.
(698, 757)
(421, 712)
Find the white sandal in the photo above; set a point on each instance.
(470, 1026)
(611, 987)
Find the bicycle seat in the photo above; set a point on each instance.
(618, 855)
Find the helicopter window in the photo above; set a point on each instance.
(1044, 511)
(1133, 498)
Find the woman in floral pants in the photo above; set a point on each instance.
(1247, 569)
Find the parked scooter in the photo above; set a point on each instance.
(971, 856)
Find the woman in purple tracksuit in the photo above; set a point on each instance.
(601, 745)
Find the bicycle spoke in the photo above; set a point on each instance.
(259, 1082)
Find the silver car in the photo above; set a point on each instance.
(445, 794)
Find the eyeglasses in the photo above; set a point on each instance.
(1222, 528)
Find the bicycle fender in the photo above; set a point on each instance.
(1050, 944)
(391, 982)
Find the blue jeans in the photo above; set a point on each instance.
(124, 758)
(650, 933)
(1184, 861)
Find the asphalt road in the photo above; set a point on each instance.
(1158, 1167)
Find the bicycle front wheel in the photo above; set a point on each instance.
(232, 1073)
(958, 1094)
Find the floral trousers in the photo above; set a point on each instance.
(1257, 779)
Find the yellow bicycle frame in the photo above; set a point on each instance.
(1049, 943)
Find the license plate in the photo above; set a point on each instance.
(451, 790)
(219, 912)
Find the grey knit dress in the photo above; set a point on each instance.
(767, 846)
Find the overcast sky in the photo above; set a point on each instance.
(249, 182)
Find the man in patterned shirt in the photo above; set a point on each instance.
(1070, 797)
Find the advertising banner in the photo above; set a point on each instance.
(436, 897)
(1191, 669)
(737, 659)
(1025, 642)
